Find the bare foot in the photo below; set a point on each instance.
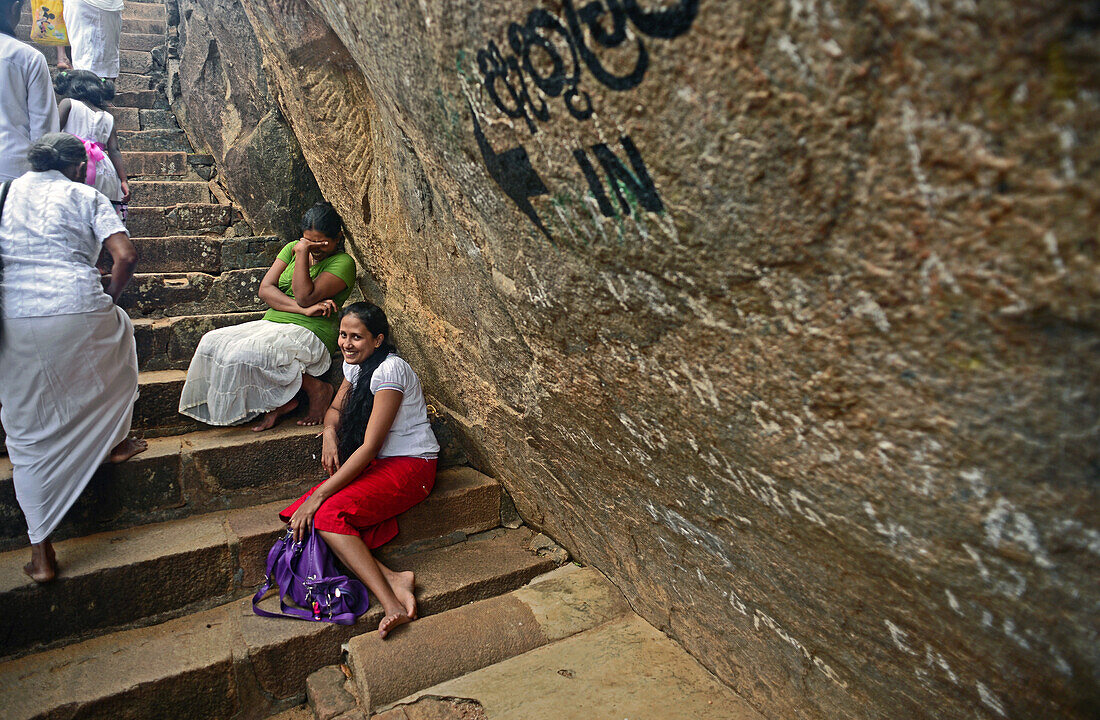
(392, 621)
(403, 584)
(320, 395)
(43, 565)
(127, 449)
(273, 417)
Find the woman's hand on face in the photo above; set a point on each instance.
(330, 456)
(301, 522)
(321, 309)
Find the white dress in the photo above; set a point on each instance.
(87, 123)
(242, 371)
(28, 108)
(68, 365)
(95, 28)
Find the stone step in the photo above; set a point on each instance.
(180, 476)
(222, 555)
(156, 411)
(554, 606)
(176, 294)
(128, 82)
(624, 668)
(137, 119)
(169, 343)
(214, 255)
(145, 99)
(189, 219)
(167, 165)
(145, 42)
(154, 140)
(227, 662)
(147, 23)
(137, 62)
(160, 193)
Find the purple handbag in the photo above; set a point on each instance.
(304, 574)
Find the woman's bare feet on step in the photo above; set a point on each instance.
(127, 449)
(320, 395)
(273, 417)
(43, 565)
(403, 584)
(392, 621)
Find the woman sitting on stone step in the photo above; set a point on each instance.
(380, 453)
(240, 372)
(68, 365)
(83, 113)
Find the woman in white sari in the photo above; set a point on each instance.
(95, 29)
(68, 365)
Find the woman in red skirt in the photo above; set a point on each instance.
(380, 454)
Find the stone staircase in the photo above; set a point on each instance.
(150, 615)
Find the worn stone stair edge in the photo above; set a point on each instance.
(179, 476)
(206, 664)
(557, 605)
(192, 564)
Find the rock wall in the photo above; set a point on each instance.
(782, 315)
(222, 98)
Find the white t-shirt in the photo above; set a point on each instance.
(51, 234)
(411, 434)
(28, 108)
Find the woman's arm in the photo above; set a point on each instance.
(125, 259)
(276, 299)
(63, 112)
(386, 403)
(116, 159)
(308, 291)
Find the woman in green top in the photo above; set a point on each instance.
(240, 372)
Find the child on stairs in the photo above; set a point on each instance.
(83, 114)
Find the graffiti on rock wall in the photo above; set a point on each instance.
(543, 62)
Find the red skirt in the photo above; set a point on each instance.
(369, 505)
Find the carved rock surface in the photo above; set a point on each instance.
(785, 316)
(223, 100)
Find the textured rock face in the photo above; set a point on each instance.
(221, 96)
(784, 316)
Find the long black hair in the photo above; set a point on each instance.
(5, 8)
(360, 401)
(85, 86)
(323, 218)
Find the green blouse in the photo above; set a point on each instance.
(339, 264)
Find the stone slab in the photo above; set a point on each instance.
(221, 555)
(487, 565)
(169, 343)
(126, 119)
(174, 294)
(140, 41)
(202, 665)
(128, 82)
(189, 219)
(153, 164)
(135, 61)
(623, 669)
(141, 99)
(558, 604)
(170, 480)
(154, 140)
(160, 193)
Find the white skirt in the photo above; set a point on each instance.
(94, 35)
(67, 388)
(242, 371)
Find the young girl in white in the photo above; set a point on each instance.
(83, 113)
